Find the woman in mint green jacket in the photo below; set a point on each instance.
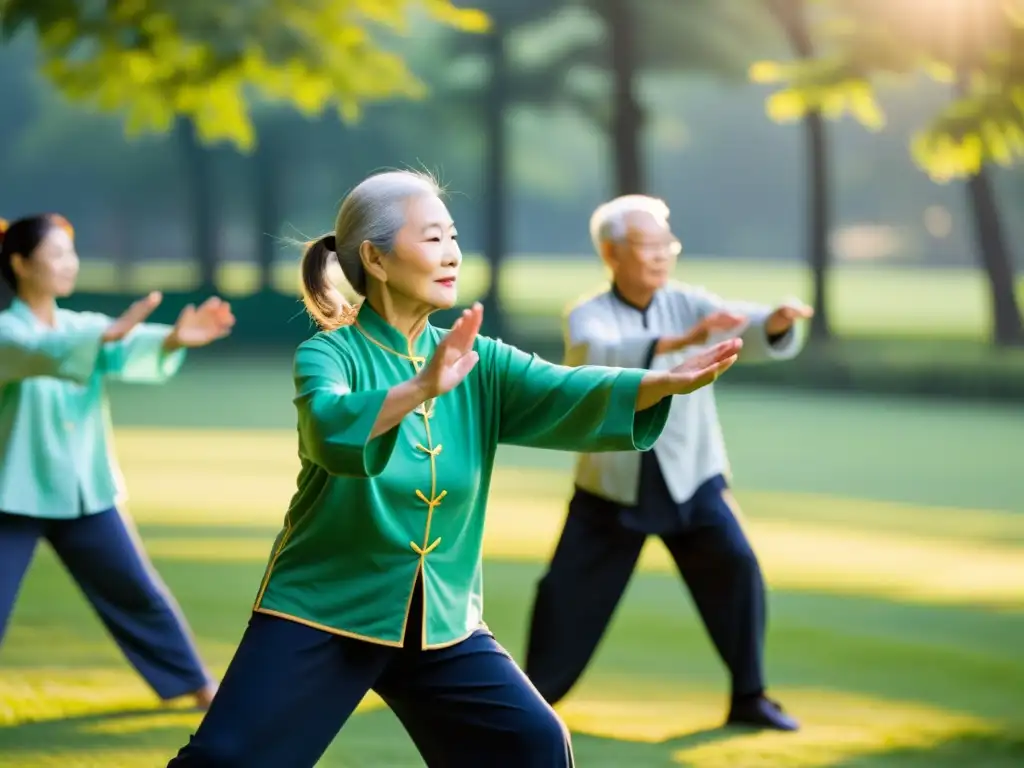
(57, 478)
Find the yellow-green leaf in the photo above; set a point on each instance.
(786, 106)
(765, 72)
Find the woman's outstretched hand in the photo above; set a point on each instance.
(454, 357)
(696, 372)
(135, 314)
(197, 327)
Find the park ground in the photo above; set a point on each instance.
(891, 532)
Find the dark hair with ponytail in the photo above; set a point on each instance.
(373, 212)
(23, 236)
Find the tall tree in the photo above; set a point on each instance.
(507, 84)
(710, 37)
(979, 47)
(792, 17)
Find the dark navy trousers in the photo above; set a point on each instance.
(290, 688)
(102, 556)
(597, 554)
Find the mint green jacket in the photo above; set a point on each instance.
(55, 437)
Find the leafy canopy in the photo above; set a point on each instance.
(977, 43)
(155, 60)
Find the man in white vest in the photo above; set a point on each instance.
(679, 490)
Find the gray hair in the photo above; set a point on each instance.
(374, 212)
(608, 222)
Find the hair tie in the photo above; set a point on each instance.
(348, 314)
(330, 243)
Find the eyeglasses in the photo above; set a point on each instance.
(671, 245)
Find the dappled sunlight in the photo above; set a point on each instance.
(248, 477)
(812, 542)
(95, 758)
(208, 505)
(552, 489)
(47, 693)
(50, 693)
(633, 718)
(51, 716)
(220, 477)
(803, 555)
(837, 725)
(211, 549)
(180, 719)
(962, 525)
(915, 569)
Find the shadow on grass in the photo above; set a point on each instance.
(371, 739)
(121, 729)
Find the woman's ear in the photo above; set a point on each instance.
(373, 261)
(19, 265)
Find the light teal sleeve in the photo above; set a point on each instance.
(140, 357)
(589, 409)
(72, 354)
(334, 422)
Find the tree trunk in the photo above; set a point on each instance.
(496, 183)
(627, 114)
(996, 259)
(993, 248)
(818, 225)
(268, 166)
(199, 185)
(792, 17)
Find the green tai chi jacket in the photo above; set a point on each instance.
(56, 458)
(372, 516)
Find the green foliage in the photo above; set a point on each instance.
(979, 43)
(700, 37)
(831, 86)
(155, 60)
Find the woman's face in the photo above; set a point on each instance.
(51, 269)
(423, 267)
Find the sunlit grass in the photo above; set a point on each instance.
(848, 724)
(895, 634)
(47, 692)
(911, 552)
(129, 757)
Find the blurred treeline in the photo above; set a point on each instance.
(234, 151)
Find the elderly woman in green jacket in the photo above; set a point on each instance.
(375, 581)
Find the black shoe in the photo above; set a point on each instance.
(761, 712)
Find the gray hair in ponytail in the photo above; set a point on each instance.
(374, 212)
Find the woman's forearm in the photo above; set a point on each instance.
(653, 389)
(402, 399)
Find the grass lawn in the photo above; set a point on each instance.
(890, 531)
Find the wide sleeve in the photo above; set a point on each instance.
(72, 354)
(591, 339)
(140, 357)
(758, 346)
(587, 409)
(335, 422)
